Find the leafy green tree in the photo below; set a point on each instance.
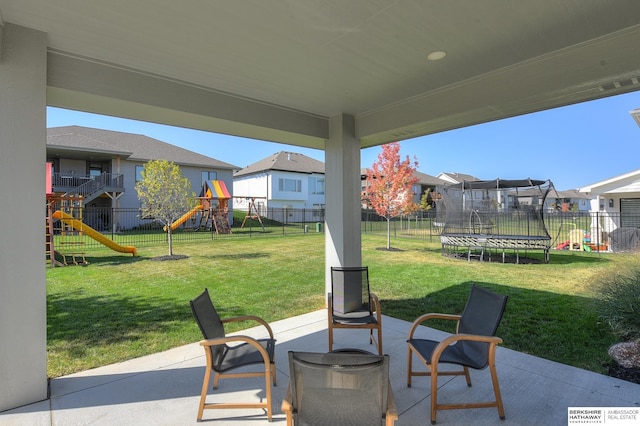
(165, 194)
(390, 183)
(424, 201)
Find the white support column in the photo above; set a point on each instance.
(23, 311)
(342, 196)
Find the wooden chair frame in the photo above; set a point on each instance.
(269, 372)
(374, 303)
(432, 366)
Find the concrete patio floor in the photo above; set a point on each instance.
(163, 389)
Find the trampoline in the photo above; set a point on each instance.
(487, 218)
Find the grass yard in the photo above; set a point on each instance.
(120, 307)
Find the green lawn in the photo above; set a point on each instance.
(119, 307)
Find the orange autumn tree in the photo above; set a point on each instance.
(389, 188)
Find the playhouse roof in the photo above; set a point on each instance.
(214, 189)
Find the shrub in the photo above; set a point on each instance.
(618, 302)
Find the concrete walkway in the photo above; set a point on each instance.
(163, 389)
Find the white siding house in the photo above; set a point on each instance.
(285, 180)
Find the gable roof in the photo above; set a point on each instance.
(573, 194)
(286, 162)
(453, 177)
(423, 178)
(76, 141)
(627, 182)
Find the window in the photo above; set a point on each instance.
(95, 169)
(139, 173)
(316, 185)
(206, 175)
(289, 185)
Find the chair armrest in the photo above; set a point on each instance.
(237, 338)
(286, 407)
(250, 318)
(491, 340)
(426, 317)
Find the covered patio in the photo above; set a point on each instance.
(164, 388)
(331, 75)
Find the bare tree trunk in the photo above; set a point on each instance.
(170, 239)
(388, 234)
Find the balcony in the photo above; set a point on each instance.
(89, 187)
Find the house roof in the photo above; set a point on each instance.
(77, 141)
(286, 162)
(573, 194)
(452, 177)
(423, 178)
(627, 182)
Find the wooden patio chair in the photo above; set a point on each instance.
(223, 358)
(352, 305)
(472, 346)
(347, 389)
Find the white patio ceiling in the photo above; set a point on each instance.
(278, 70)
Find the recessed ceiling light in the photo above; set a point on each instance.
(437, 55)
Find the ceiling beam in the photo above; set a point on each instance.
(97, 87)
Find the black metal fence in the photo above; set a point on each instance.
(128, 227)
(599, 231)
(602, 231)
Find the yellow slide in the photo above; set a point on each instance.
(92, 233)
(184, 217)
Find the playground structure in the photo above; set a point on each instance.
(486, 217)
(580, 240)
(66, 211)
(64, 228)
(213, 211)
(252, 210)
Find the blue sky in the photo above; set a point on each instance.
(573, 146)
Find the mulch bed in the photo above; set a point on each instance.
(629, 374)
(167, 257)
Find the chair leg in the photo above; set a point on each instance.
(434, 392)
(409, 367)
(203, 394)
(216, 379)
(379, 340)
(268, 377)
(273, 374)
(467, 376)
(330, 339)
(496, 390)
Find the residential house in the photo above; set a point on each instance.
(571, 200)
(103, 165)
(449, 177)
(425, 183)
(288, 181)
(617, 199)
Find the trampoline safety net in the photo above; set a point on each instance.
(494, 215)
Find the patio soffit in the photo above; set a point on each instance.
(280, 70)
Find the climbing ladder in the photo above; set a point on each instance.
(49, 241)
(71, 240)
(221, 221)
